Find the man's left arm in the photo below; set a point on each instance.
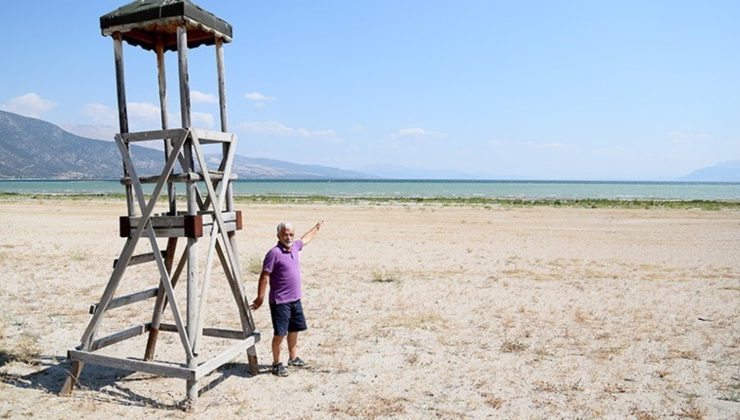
(308, 236)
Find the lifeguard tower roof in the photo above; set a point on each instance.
(142, 21)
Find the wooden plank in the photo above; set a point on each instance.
(138, 259)
(164, 115)
(210, 332)
(133, 331)
(224, 121)
(161, 221)
(179, 177)
(156, 368)
(221, 84)
(182, 233)
(120, 82)
(182, 59)
(176, 226)
(128, 299)
(152, 135)
(122, 111)
(216, 198)
(225, 357)
(228, 227)
(161, 301)
(206, 284)
(238, 293)
(208, 137)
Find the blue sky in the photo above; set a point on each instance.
(612, 90)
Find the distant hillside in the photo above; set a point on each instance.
(35, 149)
(722, 172)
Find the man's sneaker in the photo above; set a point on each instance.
(279, 370)
(297, 362)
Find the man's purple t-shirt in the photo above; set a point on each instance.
(285, 272)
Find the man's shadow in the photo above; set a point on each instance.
(109, 383)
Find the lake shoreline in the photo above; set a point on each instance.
(411, 200)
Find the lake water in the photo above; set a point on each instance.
(446, 189)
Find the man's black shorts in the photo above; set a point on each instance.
(287, 317)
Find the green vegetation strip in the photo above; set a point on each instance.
(438, 201)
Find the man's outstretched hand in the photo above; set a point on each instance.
(256, 303)
(308, 236)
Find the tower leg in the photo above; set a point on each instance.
(246, 314)
(151, 343)
(69, 383)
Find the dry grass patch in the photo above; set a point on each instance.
(692, 411)
(543, 386)
(372, 408)
(385, 276)
(614, 389)
(731, 393)
(430, 321)
(683, 354)
(642, 414)
(26, 351)
(543, 351)
(561, 388)
(510, 346)
(606, 353)
(492, 400)
(254, 264)
(662, 373)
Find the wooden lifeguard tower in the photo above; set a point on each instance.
(159, 26)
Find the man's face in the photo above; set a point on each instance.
(286, 237)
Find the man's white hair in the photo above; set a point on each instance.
(284, 226)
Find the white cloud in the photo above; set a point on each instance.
(550, 146)
(143, 111)
(416, 133)
(100, 114)
(259, 98)
(30, 104)
(102, 122)
(203, 98)
(98, 132)
(683, 137)
(202, 119)
(274, 128)
(612, 150)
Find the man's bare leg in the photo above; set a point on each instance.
(292, 344)
(277, 341)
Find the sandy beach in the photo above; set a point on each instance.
(414, 311)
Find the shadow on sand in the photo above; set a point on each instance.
(109, 384)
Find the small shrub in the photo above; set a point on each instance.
(385, 276)
(254, 265)
(509, 346)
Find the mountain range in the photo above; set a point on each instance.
(35, 149)
(721, 172)
(31, 148)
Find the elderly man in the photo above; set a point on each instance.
(281, 268)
